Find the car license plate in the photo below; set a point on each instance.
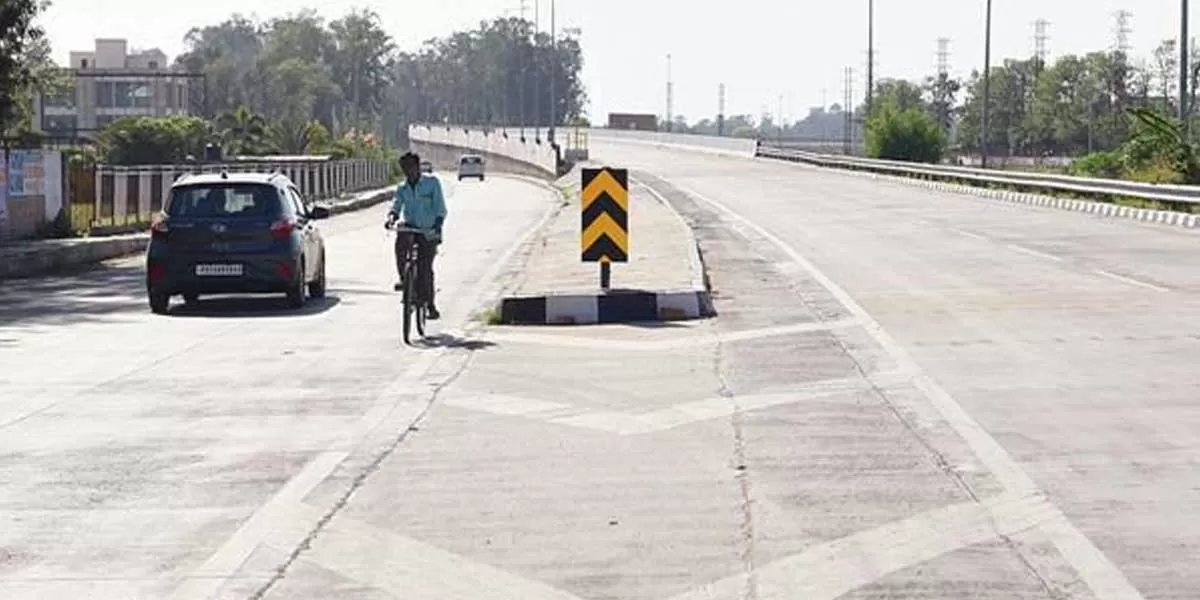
(226, 270)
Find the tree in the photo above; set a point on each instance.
(20, 42)
(348, 75)
(901, 128)
(153, 140)
(242, 132)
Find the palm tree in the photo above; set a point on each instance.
(292, 136)
(242, 131)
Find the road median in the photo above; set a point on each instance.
(44, 257)
(663, 279)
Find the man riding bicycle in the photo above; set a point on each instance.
(420, 205)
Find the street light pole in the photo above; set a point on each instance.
(987, 67)
(553, 74)
(1184, 47)
(870, 53)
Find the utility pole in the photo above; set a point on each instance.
(1184, 46)
(848, 112)
(553, 74)
(870, 54)
(779, 123)
(537, 81)
(987, 80)
(721, 110)
(670, 94)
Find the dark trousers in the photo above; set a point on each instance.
(426, 250)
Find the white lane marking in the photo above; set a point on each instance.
(1037, 253)
(1130, 281)
(678, 415)
(971, 234)
(205, 581)
(408, 568)
(1101, 575)
(833, 569)
(683, 341)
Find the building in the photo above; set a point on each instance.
(108, 83)
(639, 122)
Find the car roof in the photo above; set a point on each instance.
(189, 179)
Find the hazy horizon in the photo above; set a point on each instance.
(776, 51)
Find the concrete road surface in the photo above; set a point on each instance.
(906, 395)
(136, 449)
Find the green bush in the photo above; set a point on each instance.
(1103, 165)
(910, 135)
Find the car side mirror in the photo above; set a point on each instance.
(320, 211)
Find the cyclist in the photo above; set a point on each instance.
(420, 205)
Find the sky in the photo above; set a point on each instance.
(770, 54)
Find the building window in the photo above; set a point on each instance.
(64, 98)
(140, 94)
(83, 63)
(154, 64)
(105, 94)
(61, 123)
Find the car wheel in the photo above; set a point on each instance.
(460, 177)
(295, 293)
(191, 298)
(481, 177)
(160, 302)
(316, 289)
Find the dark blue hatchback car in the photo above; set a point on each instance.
(235, 233)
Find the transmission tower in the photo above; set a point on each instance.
(943, 56)
(721, 110)
(1039, 40)
(1123, 31)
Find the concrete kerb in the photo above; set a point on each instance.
(71, 254)
(612, 306)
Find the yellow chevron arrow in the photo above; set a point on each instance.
(605, 225)
(605, 182)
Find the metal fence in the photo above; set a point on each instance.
(1178, 197)
(128, 196)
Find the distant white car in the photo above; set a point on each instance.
(470, 165)
(426, 166)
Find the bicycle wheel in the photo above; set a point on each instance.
(420, 317)
(409, 298)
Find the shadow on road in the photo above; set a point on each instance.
(250, 306)
(96, 295)
(445, 340)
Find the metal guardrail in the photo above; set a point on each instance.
(1105, 188)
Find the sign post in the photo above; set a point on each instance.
(604, 234)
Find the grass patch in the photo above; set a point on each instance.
(490, 316)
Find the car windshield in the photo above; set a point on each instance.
(228, 200)
(471, 160)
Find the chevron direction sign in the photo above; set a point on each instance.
(605, 225)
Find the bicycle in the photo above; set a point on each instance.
(414, 308)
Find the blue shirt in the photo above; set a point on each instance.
(421, 205)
